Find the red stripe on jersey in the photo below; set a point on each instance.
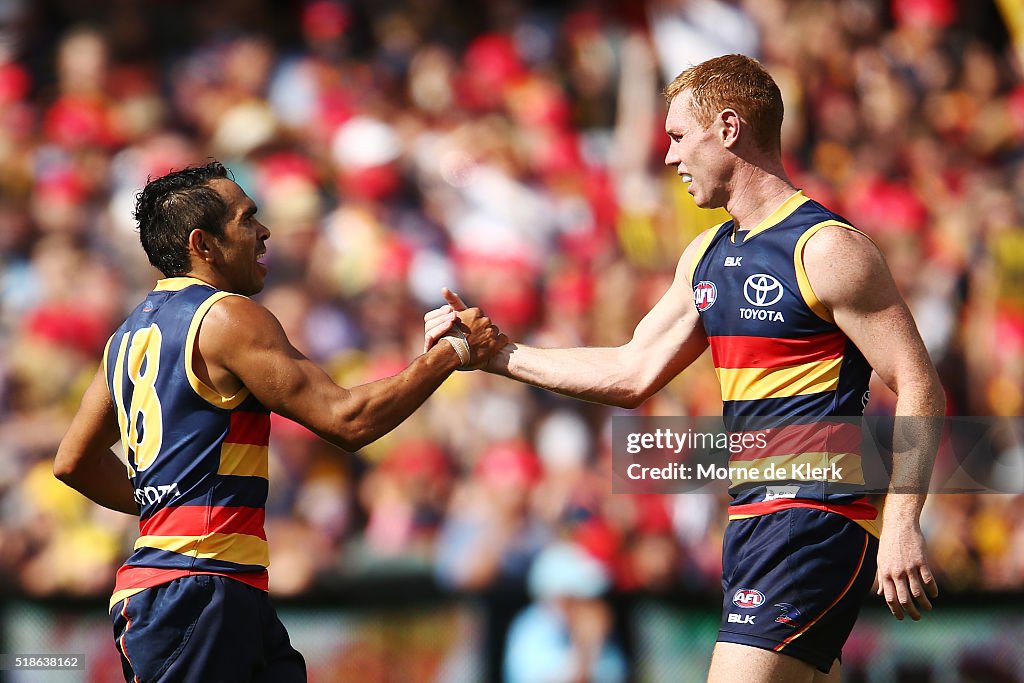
(774, 352)
(146, 577)
(249, 428)
(200, 520)
(861, 509)
(818, 437)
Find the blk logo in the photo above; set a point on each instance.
(733, 260)
(762, 290)
(748, 598)
(741, 618)
(704, 295)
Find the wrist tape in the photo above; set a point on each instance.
(458, 341)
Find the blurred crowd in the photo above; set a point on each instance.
(511, 150)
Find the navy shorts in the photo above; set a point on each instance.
(794, 582)
(203, 628)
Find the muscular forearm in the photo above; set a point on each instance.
(372, 410)
(600, 375)
(916, 433)
(101, 477)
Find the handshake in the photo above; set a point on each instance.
(468, 330)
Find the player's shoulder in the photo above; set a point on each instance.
(696, 248)
(844, 265)
(839, 242)
(236, 317)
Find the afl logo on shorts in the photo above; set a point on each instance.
(748, 598)
(704, 295)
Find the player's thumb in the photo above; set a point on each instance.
(453, 299)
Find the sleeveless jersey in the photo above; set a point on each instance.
(197, 460)
(784, 366)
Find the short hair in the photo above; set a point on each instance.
(734, 82)
(170, 207)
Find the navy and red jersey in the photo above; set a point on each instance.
(196, 459)
(779, 354)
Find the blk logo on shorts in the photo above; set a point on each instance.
(748, 598)
(741, 618)
(705, 293)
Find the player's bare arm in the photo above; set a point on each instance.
(241, 343)
(849, 275)
(84, 460)
(666, 341)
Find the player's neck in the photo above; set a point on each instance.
(207, 275)
(756, 194)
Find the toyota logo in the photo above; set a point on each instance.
(762, 290)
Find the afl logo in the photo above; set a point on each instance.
(762, 290)
(748, 598)
(704, 295)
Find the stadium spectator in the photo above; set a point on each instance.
(923, 107)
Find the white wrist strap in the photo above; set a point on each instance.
(458, 341)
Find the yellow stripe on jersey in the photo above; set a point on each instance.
(176, 284)
(799, 467)
(244, 460)
(204, 390)
(103, 358)
(747, 384)
(705, 242)
(237, 548)
(810, 298)
(795, 201)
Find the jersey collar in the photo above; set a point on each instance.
(176, 284)
(795, 201)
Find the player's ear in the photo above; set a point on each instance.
(729, 125)
(201, 245)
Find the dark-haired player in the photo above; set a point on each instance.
(187, 384)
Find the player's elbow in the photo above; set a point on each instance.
(924, 391)
(347, 437)
(630, 391)
(353, 442)
(639, 377)
(632, 398)
(65, 465)
(356, 429)
(639, 385)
